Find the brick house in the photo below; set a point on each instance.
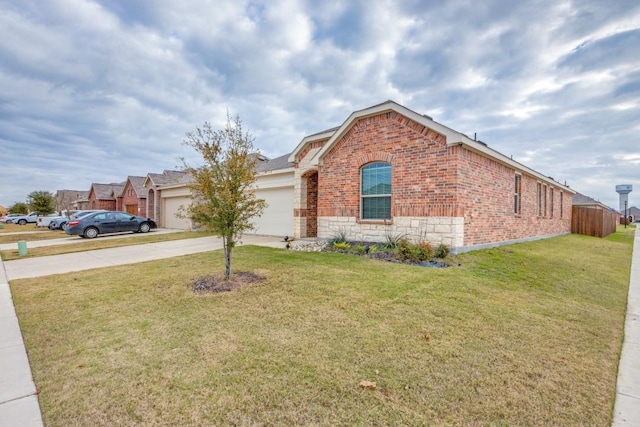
(389, 171)
(105, 196)
(134, 196)
(67, 200)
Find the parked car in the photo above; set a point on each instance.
(44, 221)
(61, 223)
(8, 219)
(31, 217)
(106, 222)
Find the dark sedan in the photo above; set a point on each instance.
(106, 222)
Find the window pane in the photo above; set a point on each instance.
(376, 179)
(376, 208)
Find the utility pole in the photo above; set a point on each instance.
(626, 218)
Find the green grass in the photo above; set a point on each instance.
(27, 232)
(83, 245)
(527, 334)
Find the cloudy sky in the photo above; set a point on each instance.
(93, 91)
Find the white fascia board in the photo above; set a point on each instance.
(305, 141)
(172, 186)
(277, 171)
(272, 187)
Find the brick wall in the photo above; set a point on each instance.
(312, 205)
(486, 192)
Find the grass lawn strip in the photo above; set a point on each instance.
(527, 334)
(100, 243)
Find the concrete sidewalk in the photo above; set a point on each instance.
(18, 399)
(627, 408)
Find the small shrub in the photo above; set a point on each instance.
(341, 246)
(406, 251)
(442, 251)
(426, 250)
(392, 241)
(339, 236)
(357, 249)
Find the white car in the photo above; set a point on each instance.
(44, 221)
(31, 217)
(8, 219)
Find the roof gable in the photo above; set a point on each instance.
(137, 183)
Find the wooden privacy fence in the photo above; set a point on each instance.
(593, 221)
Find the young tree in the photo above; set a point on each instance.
(42, 202)
(223, 199)
(19, 208)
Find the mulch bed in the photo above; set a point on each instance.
(217, 283)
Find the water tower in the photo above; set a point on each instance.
(623, 191)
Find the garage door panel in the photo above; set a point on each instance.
(171, 206)
(277, 218)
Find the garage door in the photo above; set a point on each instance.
(277, 218)
(171, 206)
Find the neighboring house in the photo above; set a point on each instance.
(591, 217)
(67, 200)
(104, 196)
(634, 213)
(166, 193)
(134, 196)
(588, 202)
(389, 171)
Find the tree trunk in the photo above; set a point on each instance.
(228, 247)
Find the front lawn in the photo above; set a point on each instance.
(528, 334)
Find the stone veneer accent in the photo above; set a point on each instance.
(435, 230)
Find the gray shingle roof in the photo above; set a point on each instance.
(106, 191)
(274, 164)
(582, 200)
(167, 177)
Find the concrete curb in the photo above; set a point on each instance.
(627, 407)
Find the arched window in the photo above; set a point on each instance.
(375, 192)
